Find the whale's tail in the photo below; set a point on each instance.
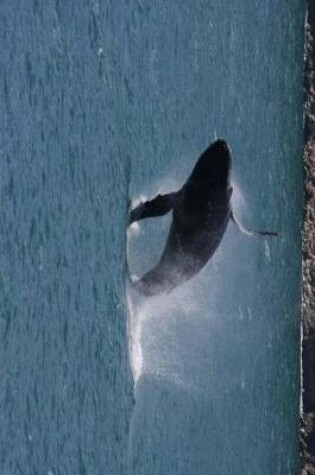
(250, 232)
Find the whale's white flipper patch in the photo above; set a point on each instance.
(250, 232)
(158, 206)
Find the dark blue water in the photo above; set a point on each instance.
(66, 388)
(102, 101)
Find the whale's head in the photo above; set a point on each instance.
(213, 168)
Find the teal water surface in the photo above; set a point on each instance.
(103, 102)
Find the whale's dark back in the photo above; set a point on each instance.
(200, 217)
(212, 170)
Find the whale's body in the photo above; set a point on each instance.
(201, 211)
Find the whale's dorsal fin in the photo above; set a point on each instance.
(158, 206)
(250, 232)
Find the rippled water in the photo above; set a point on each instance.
(103, 101)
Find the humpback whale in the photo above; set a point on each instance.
(201, 211)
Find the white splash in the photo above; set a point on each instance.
(153, 325)
(267, 251)
(133, 230)
(140, 199)
(238, 199)
(135, 321)
(163, 331)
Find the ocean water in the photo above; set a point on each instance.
(102, 103)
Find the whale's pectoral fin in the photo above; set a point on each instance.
(159, 206)
(250, 232)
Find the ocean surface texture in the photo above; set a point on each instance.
(104, 102)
